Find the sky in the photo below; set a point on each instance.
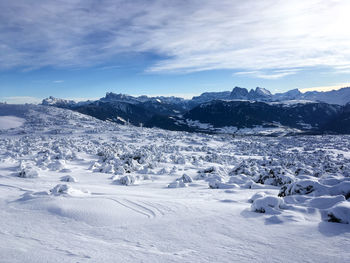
(81, 49)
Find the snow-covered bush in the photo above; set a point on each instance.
(303, 187)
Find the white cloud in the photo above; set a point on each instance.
(276, 74)
(191, 35)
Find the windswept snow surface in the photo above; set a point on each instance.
(8, 122)
(76, 189)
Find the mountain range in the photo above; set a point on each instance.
(257, 110)
(340, 97)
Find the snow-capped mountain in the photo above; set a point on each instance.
(209, 96)
(259, 94)
(293, 94)
(340, 97)
(236, 94)
(52, 101)
(77, 189)
(113, 97)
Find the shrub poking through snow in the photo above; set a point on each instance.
(206, 173)
(126, 180)
(60, 189)
(340, 213)
(186, 178)
(28, 172)
(56, 165)
(181, 182)
(68, 178)
(275, 176)
(267, 204)
(177, 184)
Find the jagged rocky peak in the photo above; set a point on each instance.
(239, 93)
(110, 96)
(262, 92)
(259, 94)
(242, 93)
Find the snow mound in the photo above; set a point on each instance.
(216, 183)
(267, 204)
(325, 202)
(64, 189)
(340, 213)
(256, 196)
(342, 188)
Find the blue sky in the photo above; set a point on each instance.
(82, 49)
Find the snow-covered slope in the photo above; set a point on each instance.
(76, 189)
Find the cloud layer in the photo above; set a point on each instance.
(188, 35)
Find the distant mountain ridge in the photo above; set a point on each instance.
(314, 112)
(340, 96)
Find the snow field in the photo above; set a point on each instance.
(75, 189)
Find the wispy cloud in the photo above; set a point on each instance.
(275, 74)
(189, 35)
(58, 81)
